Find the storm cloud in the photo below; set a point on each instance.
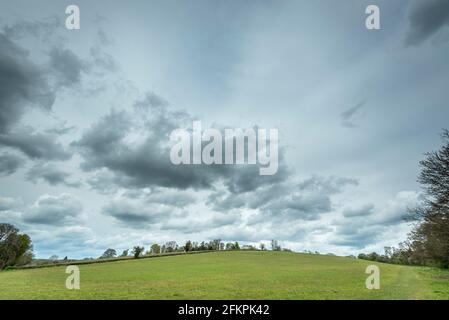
(135, 150)
(9, 163)
(426, 18)
(22, 84)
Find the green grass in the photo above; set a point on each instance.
(228, 275)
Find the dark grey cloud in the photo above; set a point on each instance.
(146, 162)
(307, 199)
(426, 18)
(349, 116)
(51, 174)
(25, 84)
(137, 213)
(67, 66)
(22, 84)
(143, 208)
(35, 145)
(10, 163)
(285, 201)
(64, 209)
(358, 238)
(359, 211)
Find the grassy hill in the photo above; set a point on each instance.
(228, 275)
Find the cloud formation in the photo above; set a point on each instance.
(426, 18)
(9, 163)
(35, 145)
(51, 174)
(22, 84)
(349, 116)
(363, 225)
(135, 151)
(64, 209)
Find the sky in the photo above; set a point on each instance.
(86, 115)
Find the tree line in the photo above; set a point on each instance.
(189, 246)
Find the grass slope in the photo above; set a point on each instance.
(228, 275)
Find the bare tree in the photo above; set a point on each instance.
(430, 237)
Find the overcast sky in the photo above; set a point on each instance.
(85, 118)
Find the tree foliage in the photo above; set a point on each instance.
(429, 240)
(109, 253)
(15, 248)
(137, 251)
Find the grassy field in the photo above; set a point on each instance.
(228, 275)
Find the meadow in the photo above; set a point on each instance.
(228, 275)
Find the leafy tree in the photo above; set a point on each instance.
(215, 244)
(155, 248)
(109, 253)
(188, 246)
(171, 246)
(275, 245)
(125, 253)
(236, 246)
(15, 248)
(137, 251)
(262, 246)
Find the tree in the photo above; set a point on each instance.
(171, 246)
(275, 245)
(137, 251)
(430, 237)
(53, 258)
(125, 253)
(15, 248)
(109, 253)
(188, 246)
(155, 248)
(202, 246)
(236, 246)
(262, 246)
(215, 244)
